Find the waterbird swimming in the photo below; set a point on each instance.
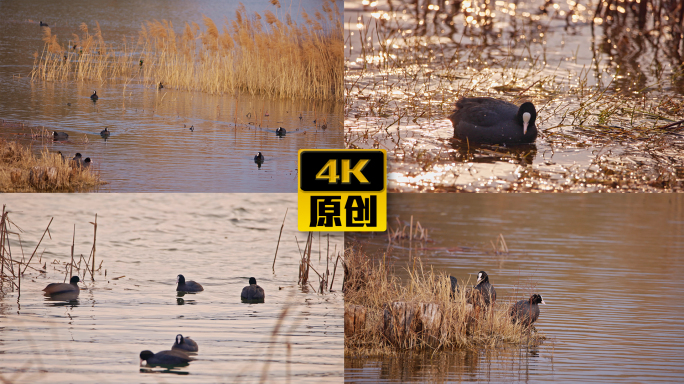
(43, 24)
(280, 131)
(187, 286)
(259, 158)
(192, 128)
(105, 132)
(252, 291)
(57, 288)
(170, 358)
(94, 96)
(58, 136)
(526, 312)
(484, 120)
(185, 344)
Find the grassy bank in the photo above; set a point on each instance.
(384, 315)
(266, 54)
(22, 171)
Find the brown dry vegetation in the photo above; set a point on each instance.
(372, 285)
(269, 54)
(22, 171)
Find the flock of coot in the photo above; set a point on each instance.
(178, 355)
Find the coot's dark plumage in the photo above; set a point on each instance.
(43, 24)
(175, 358)
(252, 291)
(281, 131)
(484, 120)
(57, 136)
(77, 161)
(94, 96)
(484, 291)
(526, 312)
(57, 288)
(259, 158)
(86, 162)
(184, 344)
(188, 286)
(454, 286)
(161, 86)
(105, 132)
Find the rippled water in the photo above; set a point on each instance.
(151, 148)
(405, 73)
(609, 268)
(217, 240)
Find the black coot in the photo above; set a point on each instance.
(184, 344)
(252, 291)
(526, 312)
(483, 120)
(43, 24)
(58, 136)
(94, 96)
(57, 288)
(188, 286)
(259, 158)
(86, 162)
(483, 291)
(171, 358)
(281, 131)
(454, 286)
(77, 161)
(105, 132)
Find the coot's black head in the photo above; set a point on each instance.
(94, 93)
(536, 299)
(74, 280)
(482, 277)
(252, 281)
(179, 339)
(87, 160)
(180, 279)
(531, 116)
(144, 355)
(78, 155)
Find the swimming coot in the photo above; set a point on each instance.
(86, 162)
(252, 291)
(484, 120)
(94, 96)
(184, 344)
(187, 286)
(105, 132)
(43, 24)
(483, 292)
(281, 131)
(59, 136)
(174, 358)
(57, 288)
(192, 128)
(259, 158)
(526, 312)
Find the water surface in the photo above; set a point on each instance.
(143, 242)
(609, 268)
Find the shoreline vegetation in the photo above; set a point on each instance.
(384, 316)
(270, 55)
(22, 171)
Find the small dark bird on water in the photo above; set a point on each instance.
(259, 158)
(192, 128)
(57, 288)
(252, 291)
(86, 162)
(185, 344)
(105, 132)
(161, 86)
(94, 96)
(281, 131)
(526, 312)
(43, 24)
(59, 136)
(300, 116)
(484, 120)
(168, 358)
(187, 286)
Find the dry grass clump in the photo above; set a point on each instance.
(418, 314)
(22, 171)
(270, 54)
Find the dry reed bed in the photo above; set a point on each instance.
(22, 171)
(404, 86)
(421, 313)
(270, 54)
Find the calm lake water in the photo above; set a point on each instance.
(555, 59)
(151, 148)
(219, 241)
(610, 269)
